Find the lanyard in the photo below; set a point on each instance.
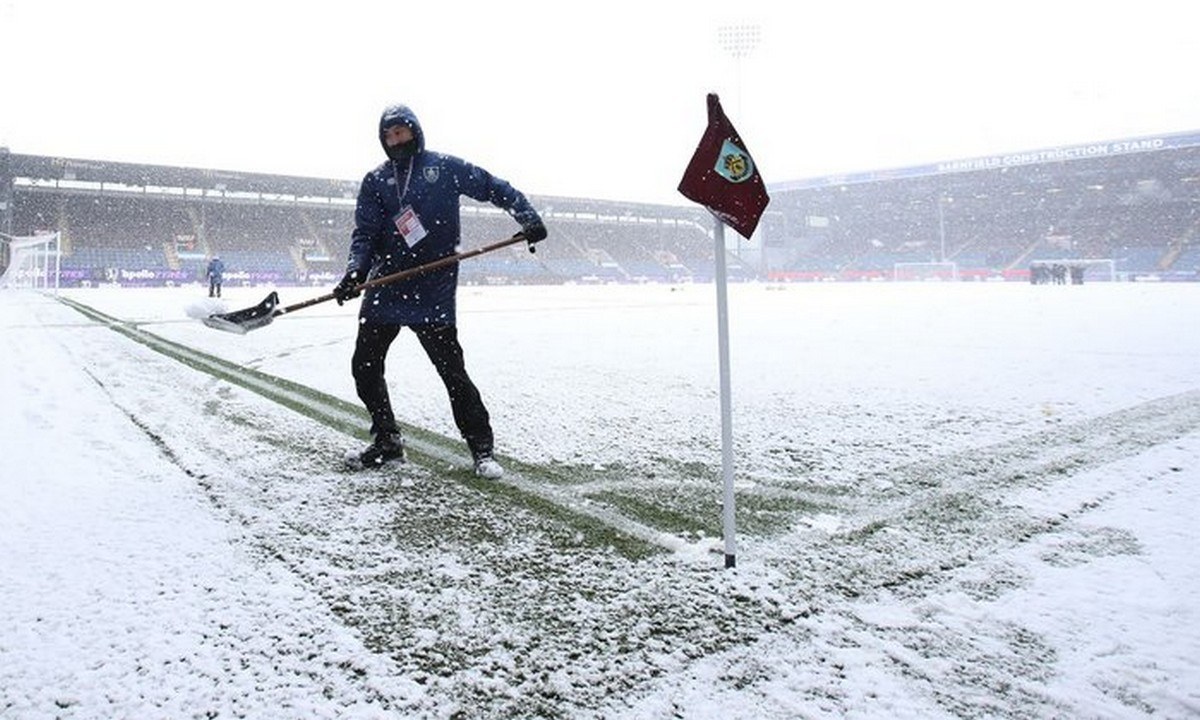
(400, 193)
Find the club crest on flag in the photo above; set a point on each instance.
(734, 164)
(723, 177)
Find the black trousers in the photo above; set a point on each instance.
(440, 343)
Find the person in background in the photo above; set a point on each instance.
(214, 273)
(408, 215)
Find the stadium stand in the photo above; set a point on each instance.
(1130, 205)
(1135, 202)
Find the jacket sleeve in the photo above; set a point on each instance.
(369, 219)
(479, 184)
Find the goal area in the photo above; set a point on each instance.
(30, 262)
(924, 271)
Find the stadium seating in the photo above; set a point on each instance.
(150, 224)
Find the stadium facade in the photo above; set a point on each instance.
(1128, 208)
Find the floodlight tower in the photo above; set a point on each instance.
(739, 41)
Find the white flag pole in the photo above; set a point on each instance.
(726, 396)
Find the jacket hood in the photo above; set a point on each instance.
(402, 115)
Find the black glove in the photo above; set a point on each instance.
(347, 289)
(534, 233)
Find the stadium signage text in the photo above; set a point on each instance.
(1150, 143)
(1053, 155)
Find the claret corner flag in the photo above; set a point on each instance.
(723, 177)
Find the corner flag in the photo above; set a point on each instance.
(723, 177)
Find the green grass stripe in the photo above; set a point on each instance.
(601, 523)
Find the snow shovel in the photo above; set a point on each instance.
(252, 318)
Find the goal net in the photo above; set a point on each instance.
(30, 262)
(924, 271)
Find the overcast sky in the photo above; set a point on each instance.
(584, 99)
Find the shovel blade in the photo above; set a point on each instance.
(243, 321)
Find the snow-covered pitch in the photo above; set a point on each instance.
(954, 500)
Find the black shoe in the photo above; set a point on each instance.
(388, 447)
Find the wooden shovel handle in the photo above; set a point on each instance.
(398, 276)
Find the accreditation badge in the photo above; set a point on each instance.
(410, 226)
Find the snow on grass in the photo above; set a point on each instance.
(966, 500)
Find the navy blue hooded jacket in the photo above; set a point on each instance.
(215, 270)
(431, 184)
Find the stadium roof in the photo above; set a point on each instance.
(39, 167)
(68, 173)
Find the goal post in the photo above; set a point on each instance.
(31, 262)
(924, 271)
